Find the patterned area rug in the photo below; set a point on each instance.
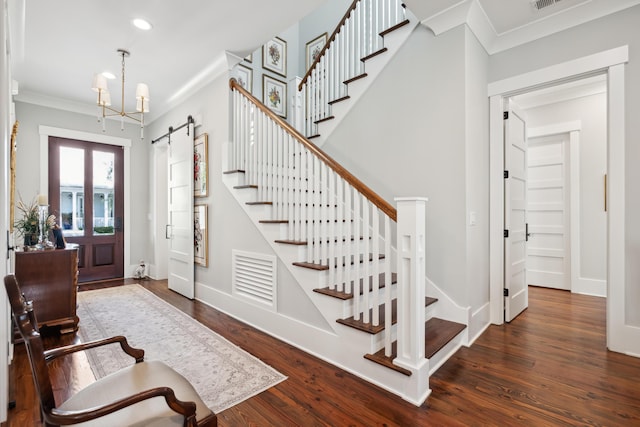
(222, 373)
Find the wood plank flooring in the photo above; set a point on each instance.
(548, 367)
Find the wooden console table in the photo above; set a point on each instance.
(50, 279)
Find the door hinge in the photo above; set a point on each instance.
(506, 233)
(505, 292)
(505, 115)
(506, 174)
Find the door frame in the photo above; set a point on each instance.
(620, 337)
(47, 131)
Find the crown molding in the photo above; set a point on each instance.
(471, 13)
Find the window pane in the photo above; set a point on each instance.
(72, 191)
(103, 192)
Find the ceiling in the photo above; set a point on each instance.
(57, 46)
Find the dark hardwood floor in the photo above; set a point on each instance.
(548, 367)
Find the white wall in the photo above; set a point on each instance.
(592, 113)
(406, 137)
(5, 134)
(229, 226)
(28, 164)
(596, 36)
(477, 180)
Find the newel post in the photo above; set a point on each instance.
(411, 293)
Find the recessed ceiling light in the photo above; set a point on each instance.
(142, 24)
(109, 75)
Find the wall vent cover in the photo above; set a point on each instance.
(541, 4)
(254, 278)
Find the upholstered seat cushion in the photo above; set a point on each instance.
(126, 382)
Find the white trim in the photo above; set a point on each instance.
(559, 72)
(620, 337)
(47, 131)
(554, 129)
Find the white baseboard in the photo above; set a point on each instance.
(593, 287)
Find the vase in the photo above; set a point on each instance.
(30, 239)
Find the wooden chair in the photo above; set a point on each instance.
(146, 393)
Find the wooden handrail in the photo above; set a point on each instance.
(326, 45)
(373, 197)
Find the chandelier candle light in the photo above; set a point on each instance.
(104, 100)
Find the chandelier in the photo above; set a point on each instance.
(104, 100)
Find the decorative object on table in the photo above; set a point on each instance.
(58, 237)
(200, 235)
(200, 165)
(245, 77)
(36, 223)
(274, 95)
(314, 47)
(12, 191)
(28, 225)
(274, 56)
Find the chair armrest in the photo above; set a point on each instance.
(187, 409)
(54, 353)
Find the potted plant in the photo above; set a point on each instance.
(27, 226)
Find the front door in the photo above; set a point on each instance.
(516, 295)
(86, 189)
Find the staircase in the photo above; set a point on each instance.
(364, 41)
(336, 236)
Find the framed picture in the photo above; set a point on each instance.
(245, 77)
(200, 235)
(314, 47)
(274, 95)
(200, 165)
(274, 56)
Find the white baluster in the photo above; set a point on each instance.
(387, 287)
(366, 264)
(356, 256)
(375, 268)
(342, 239)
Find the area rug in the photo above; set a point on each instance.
(222, 373)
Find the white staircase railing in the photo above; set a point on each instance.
(359, 35)
(341, 220)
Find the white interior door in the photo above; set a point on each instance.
(548, 260)
(515, 215)
(180, 216)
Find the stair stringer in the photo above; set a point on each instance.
(373, 67)
(342, 346)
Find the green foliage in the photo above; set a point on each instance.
(103, 230)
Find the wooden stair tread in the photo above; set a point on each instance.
(258, 203)
(317, 135)
(395, 27)
(353, 79)
(324, 119)
(349, 295)
(274, 221)
(374, 54)
(305, 242)
(383, 360)
(314, 266)
(369, 327)
(342, 98)
(241, 187)
(438, 333)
